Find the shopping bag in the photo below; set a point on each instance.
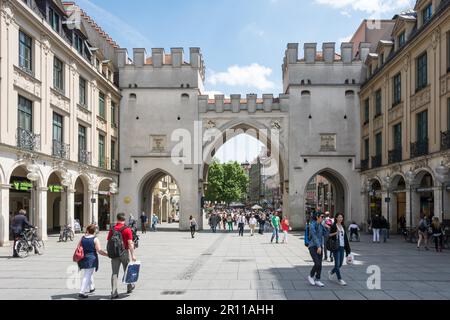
(131, 275)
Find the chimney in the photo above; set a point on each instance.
(158, 57)
(195, 58)
(347, 52)
(292, 53)
(310, 52)
(139, 57)
(328, 51)
(177, 56)
(122, 57)
(364, 50)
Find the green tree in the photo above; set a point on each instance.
(226, 182)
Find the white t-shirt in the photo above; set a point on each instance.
(341, 235)
(252, 221)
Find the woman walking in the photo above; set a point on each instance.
(436, 227)
(193, 225)
(252, 224)
(338, 236)
(230, 222)
(423, 232)
(285, 229)
(91, 248)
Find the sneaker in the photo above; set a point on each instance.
(331, 276)
(92, 291)
(83, 296)
(311, 281)
(114, 296)
(130, 290)
(342, 282)
(319, 284)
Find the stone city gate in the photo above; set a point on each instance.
(168, 127)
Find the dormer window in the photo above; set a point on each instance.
(381, 59)
(427, 13)
(53, 19)
(401, 39)
(78, 43)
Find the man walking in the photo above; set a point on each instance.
(144, 222)
(18, 225)
(384, 228)
(213, 221)
(154, 222)
(241, 224)
(120, 249)
(276, 227)
(376, 226)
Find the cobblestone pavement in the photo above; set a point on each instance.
(224, 266)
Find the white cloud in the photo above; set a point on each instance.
(114, 23)
(368, 6)
(252, 76)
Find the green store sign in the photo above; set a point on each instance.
(55, 189)
(22, 186)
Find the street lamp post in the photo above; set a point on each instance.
(387, 181)
(66, 183)
(33, 176)
(112, 190)
(369, 190)
(93, 201)
(442, 176)
(410, 176)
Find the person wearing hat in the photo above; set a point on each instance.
(316, 231)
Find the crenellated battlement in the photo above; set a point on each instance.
(160, 59)
(251, 103)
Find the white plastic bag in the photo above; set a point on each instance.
(350, 259)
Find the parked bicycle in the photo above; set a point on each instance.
(67, 234)
(410, 234)
(29, 240)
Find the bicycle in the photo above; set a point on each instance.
(28, 240)
(410, 235)
(67, 234)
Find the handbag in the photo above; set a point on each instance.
(332, 244)
(131, 275)
(79, 253)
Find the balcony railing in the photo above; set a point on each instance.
(395, 156)
(102, 163)
(115, 165)
(28, 140)
(61, 150)
(419, 148)
(376, 161)
(365, 165)
(445, 140)
(84, 157)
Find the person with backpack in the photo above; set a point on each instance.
(193, 226)
(91, 249)
(155, 220)
(315, 237)
(143, 222)
(423, 232)
(120, 250)
(338, 244)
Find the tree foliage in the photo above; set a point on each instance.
(227, 182)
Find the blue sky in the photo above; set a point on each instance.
(243, 41)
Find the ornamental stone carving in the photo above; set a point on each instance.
(435, 38)
(210, 124)
(276, 125)
(420, 99)
(406, 63)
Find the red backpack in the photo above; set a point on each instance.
(79, 253)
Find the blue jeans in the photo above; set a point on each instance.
(338, 261)
(275, 234)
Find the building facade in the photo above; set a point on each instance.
(59, 99)
(405, 118)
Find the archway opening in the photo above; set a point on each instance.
(56, 201)
(160, 196)
(375, 200)
(104, 205)
(326, 192)
(426, 194)
(81, 202)
(21, 195)
(399, 218)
